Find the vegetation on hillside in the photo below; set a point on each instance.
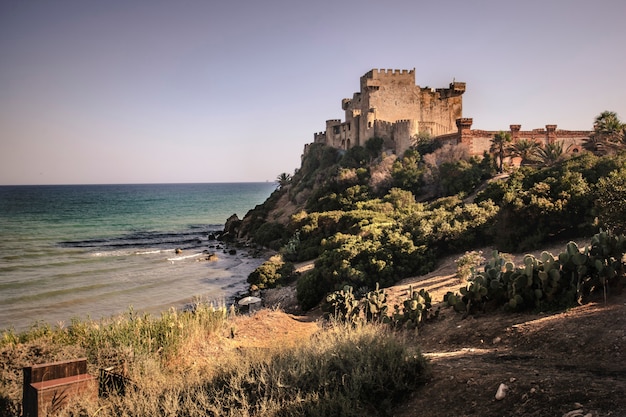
(368, 218)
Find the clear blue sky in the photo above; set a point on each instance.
(139, 91)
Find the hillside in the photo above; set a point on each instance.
(341, 208)
(552, 363)
(536, 322)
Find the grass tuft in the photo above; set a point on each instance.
(180, 365)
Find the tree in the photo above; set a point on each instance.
(374, 146)
(550, 153)
(609, 134)
(525, 149)
(424, 144)
(283, 179)
(499, 147)
(610, 204)
(407, 173)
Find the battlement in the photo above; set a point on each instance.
(378, 73)
(454, 89)
(464, 122)
(373, 79)
(391, 106)
(383, 123)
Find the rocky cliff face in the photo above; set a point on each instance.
(318, 163)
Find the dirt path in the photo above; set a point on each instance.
(552, 364)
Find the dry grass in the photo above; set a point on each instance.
(206, 363)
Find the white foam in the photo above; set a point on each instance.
(149, 252)
(112, 253)
(180, 258)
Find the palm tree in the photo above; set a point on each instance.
(609, 134)
(550, 153)
(499, 147)
(525, 149)
(283, 179)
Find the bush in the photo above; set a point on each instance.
(275, 272)
(310, 289)
(461, 176)
(346, 370)
(467, 264)
(271, 235)
(407, 173)
(610, 204)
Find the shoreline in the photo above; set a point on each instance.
(219, 281)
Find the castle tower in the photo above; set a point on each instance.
(464, 126)
(515, 129)
(550, 133)
(389, 96)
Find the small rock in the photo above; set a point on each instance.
(501, 393)
(496, 340)
(512, 379)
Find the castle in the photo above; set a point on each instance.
(392, 107)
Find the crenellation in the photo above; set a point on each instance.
(391, 106)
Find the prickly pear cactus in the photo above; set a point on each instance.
(376, 305)
(344, 305)
(415, 310)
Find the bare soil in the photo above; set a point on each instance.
(569, 363)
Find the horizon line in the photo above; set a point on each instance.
(137, 183)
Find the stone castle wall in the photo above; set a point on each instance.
(479, 141)
(388, 97)
(391, 106)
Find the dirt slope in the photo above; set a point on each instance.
(552, 364)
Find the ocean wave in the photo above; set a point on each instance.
(183, 257)
(154, 251)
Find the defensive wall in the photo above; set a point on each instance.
(479, 141)
(391, 106)
(390, 97)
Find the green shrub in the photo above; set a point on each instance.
(310, 289)
(275, 272)
(461, 176)
(610, 204)
(407, 173)
(467, 264)
(271, 235)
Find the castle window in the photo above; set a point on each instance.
(348, 126)
(369, 124)
(336, 130)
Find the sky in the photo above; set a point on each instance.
(152, 91)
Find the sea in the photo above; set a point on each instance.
(94, 251)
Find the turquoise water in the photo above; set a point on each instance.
(77, 251)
